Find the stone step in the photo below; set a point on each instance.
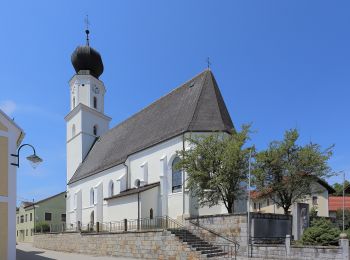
(206, 248)
(216, 255)
(211, 251)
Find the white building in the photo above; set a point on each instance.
(103, 164)
(11, 136)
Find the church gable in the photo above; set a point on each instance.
(197, 105)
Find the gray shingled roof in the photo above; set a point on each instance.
(196, 106)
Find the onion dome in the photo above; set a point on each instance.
(87, 58)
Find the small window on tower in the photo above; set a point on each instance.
(95, 130)
(95, 102)
(73, 102)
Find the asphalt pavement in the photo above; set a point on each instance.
(25, 251)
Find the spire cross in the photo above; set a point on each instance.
(208, 63)
(87, 23)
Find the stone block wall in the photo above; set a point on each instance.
(297, 252)
(145, 245)
(231, 226)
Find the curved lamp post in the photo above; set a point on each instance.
(33, 159)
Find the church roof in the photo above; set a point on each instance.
(196, 106)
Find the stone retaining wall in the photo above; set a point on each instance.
(232, 226)
(297, 252)
(145, 245)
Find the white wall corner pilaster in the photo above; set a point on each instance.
(164, 185)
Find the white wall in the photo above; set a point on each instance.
(157, 160)
(150, 200)
(85, 185)
(122, 208)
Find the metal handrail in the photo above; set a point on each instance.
(213, 232)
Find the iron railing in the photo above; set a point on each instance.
(145, 224)
(230, 246)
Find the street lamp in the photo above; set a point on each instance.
(33, 159)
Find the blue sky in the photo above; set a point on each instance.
(279, 65)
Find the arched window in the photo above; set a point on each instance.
(176, 176)
(73, 102)
(73, 130)
(95, 129)
(151, 213)
(111, 189)
(92, 196)
(95, 102)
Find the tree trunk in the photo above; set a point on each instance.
(230, 207)
(286, 210)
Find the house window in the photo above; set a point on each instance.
(254, 206)
(26, 217)
(95, 102)
(314, 200)
(48, 216)
(259, 206)
(267, 202)
(176, 176)
(31, 217)
(17, 219)
(63, 217)
(17, 232)
(95, 129)
(31, 232)
(26, 232)
(22, 218)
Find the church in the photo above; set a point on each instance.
(120, 172)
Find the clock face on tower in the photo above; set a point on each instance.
(96, 90)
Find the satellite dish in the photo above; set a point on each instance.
(137, 183)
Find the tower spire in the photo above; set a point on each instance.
(87, 31)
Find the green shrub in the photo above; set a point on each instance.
(42, 227)
(322, 232)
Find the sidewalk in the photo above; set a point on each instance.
(25, 251)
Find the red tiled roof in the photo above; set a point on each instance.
(335, 203)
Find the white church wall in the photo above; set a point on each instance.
(152, 157)
(175, 208)
(90, 182)
(149, 200)
(122, 208)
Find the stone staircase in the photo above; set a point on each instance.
(195, 243)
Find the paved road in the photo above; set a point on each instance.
(25, 251)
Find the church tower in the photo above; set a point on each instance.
(86, 119)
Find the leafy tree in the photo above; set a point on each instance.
(313, 213)
(322, 232)
(42, 227)
(339, 218)
(216, 166)
(339, 188)
(285, 171)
